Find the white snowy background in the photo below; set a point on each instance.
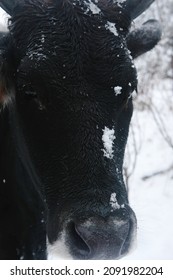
(149, 154)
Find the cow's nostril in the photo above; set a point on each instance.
(79, 244)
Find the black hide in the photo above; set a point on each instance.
(67, 77)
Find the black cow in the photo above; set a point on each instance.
(66, 83)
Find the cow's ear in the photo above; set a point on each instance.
(142, 40)
(7, 72)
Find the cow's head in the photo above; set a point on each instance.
(67, 80)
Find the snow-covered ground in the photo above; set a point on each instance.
(151, 199)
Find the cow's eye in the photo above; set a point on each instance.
(26, 90)
(31, 93)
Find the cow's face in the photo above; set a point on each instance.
(74, 79)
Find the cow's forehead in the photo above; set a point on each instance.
(74, 44)
(106, 62)
(93, 41)
(73, 29)
(81, 14)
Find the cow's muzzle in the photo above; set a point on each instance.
(95, 236)
(98, 238)
(101, 238)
